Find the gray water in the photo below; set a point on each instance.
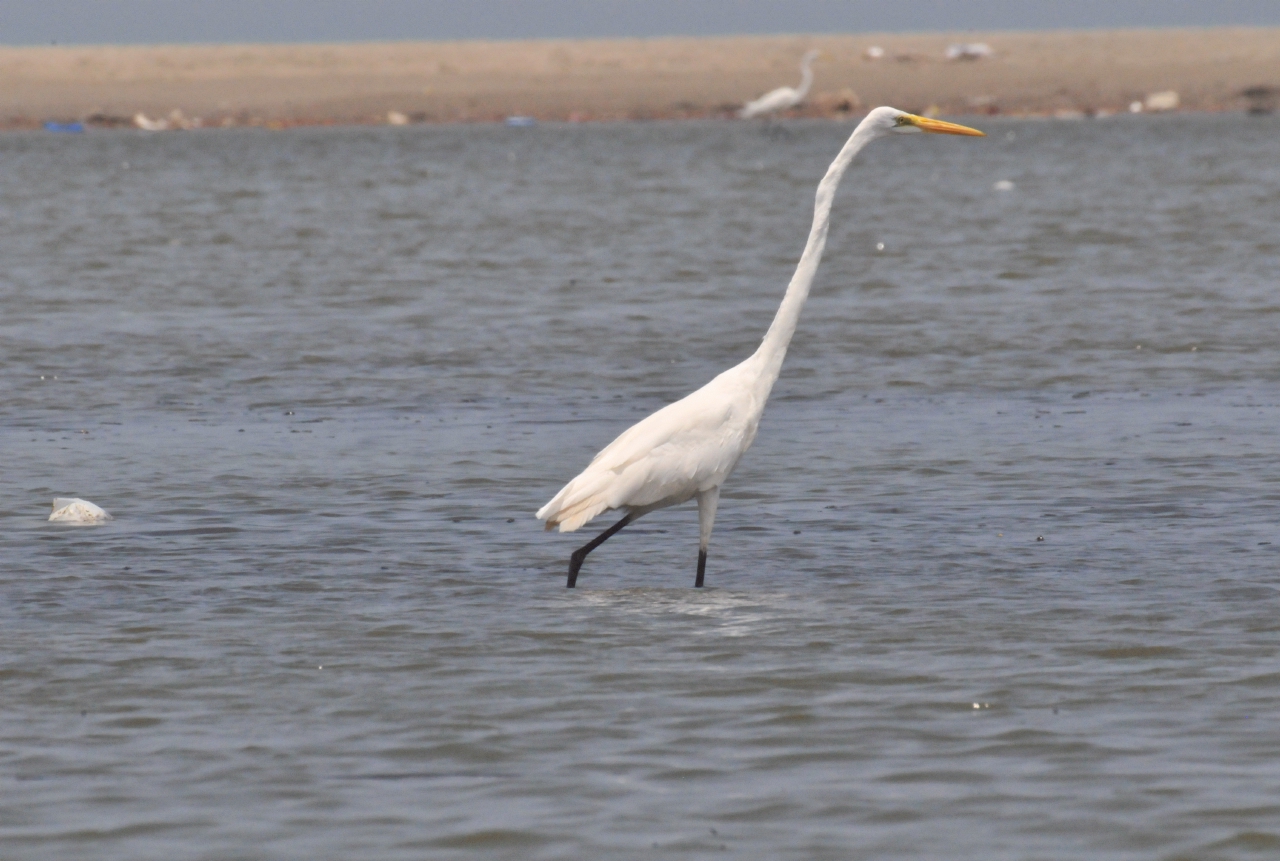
(998, 580)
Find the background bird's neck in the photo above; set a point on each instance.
(773, 349)
(806, 79)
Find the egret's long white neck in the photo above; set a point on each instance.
(773, 349)
(806, 77)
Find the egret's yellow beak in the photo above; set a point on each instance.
(941, 127)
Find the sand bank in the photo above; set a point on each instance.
(1029, 73)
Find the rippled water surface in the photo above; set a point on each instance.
(998, 580)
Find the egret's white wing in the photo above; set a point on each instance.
(690, 445)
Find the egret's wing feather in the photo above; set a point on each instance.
(673, 453)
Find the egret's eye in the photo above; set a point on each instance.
(901, 120)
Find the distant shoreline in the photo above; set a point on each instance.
(1067, 73)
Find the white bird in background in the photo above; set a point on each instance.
(686, 450)
(783, 97)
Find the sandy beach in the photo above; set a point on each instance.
(280, 85)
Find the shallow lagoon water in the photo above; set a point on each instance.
(323, 378)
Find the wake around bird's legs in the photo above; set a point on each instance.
(708, 501)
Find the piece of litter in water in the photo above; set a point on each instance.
(1003, 185)
(70, 510)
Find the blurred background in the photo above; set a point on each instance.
(33, 22)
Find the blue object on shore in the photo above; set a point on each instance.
(521, 122)
(66, 128)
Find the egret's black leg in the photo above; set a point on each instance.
(579, 555)
(708, 500)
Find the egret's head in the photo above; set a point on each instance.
(900, 122)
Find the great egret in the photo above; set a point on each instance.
(687, 449)
(783, 97)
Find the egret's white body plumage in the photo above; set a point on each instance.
(783, 97)
(688, 449)
(684, 449)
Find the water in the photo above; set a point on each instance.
(323, 378)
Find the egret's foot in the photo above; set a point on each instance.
(575, 563)
(702, 569)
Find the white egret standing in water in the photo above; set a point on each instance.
(783, 97)
(687, 449)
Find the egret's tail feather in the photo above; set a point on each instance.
(579, 515)
(576, 504)
(576, 514)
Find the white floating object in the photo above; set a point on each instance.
(875, 52)
(1165, 100)
(1004, 185)
(1135, 107)
(395, 118)
(70, 510)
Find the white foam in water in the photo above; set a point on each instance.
(72, 510)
